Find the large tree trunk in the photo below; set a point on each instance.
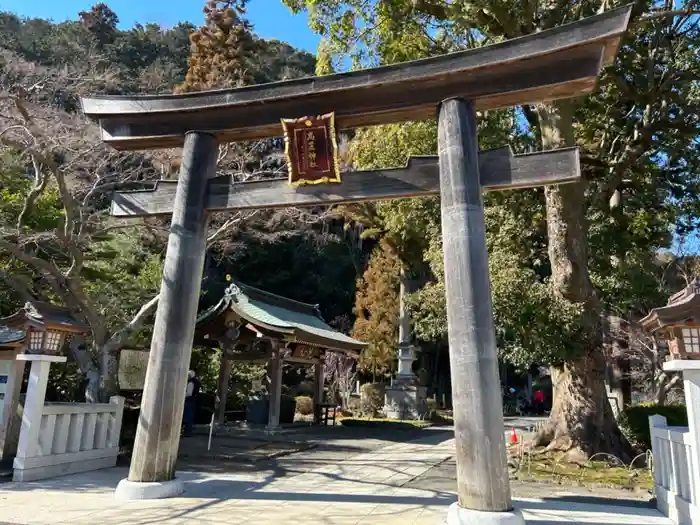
(581, 420)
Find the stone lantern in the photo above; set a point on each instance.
(39, 329)
(678, 323)
(45, 326)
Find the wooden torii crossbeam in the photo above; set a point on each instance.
(499, 170)
(557, 63)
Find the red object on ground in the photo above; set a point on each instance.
(513, 437)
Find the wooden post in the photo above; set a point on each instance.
(158, 432)
(275, 399)
(318, 390)
(482, 474)
(224, 377)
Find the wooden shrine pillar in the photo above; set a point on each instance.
(318, 388)
(274, 370)
(482, 474)
(158, 433)
(224, 377)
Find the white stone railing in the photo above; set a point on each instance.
(64, 438)
(676, 453)
(72, 437)
(673, 469)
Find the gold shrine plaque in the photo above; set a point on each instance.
(311, 150)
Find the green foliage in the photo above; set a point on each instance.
(324, 59)
(305, 405)
(634, 421)
(15, 186)
(638, 135)
(120, 274)
(101, 22)
(532, 324)
(241, 383)
(206, 363)
(371, 399)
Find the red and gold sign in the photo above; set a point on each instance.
(311, 150)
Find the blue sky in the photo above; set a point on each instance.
(270, 18)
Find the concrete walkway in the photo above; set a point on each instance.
(364, 489)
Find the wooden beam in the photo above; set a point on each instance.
(558, 63)
(301, 360)
(500, 170)
(251, 355)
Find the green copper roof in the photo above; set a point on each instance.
(291, 319)
(10, 335)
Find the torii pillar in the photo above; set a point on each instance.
(476, 395)
(152, 471)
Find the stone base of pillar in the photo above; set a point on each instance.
(457, 515)
(139, 490)
(405, 400)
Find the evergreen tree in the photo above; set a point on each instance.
(377, 310)
(101, 22)
(221, 49)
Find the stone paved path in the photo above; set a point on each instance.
(368, 488)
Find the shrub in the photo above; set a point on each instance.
(354, 405)
(634, 421)
(392, 424)
(305, 405)
(372, 399)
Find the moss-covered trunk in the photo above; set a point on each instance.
(581, 420)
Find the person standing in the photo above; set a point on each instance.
(191, 393)
(539, 401)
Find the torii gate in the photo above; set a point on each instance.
(558, 63)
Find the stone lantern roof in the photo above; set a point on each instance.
(683, 309)
(43, 316)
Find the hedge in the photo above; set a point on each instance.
(305, 405)
(634, 421)
(372, 399)
(393, 424)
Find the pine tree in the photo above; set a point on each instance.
(377, 310)
(324, 59)
(101, 22)
(220, 49)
